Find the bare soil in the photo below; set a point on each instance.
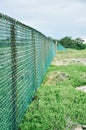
(82, 88)
(56, 77)
(78, 128)
(69, 61)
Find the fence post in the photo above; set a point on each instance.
(14, 76)
(55, 47)
(34, 51)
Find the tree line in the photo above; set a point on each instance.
(69, 42)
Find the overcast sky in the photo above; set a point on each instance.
(55, 18)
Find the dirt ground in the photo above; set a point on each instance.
(56, 77)
(78, 128)
(82, 88)
(69, 61)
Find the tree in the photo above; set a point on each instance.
(68, 42)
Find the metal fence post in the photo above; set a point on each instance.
(34, 51)
(14, 77)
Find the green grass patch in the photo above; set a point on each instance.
(58, 105)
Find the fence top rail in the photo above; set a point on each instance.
(14, 21)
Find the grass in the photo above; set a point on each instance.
(70, 53)
(58, 105)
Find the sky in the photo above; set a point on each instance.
(54, 18)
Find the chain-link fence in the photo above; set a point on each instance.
(25, 55)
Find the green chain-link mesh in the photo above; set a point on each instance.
(25, 55)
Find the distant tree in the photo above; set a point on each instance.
(68, 42)
(80, 43)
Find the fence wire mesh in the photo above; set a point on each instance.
(25, 55)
